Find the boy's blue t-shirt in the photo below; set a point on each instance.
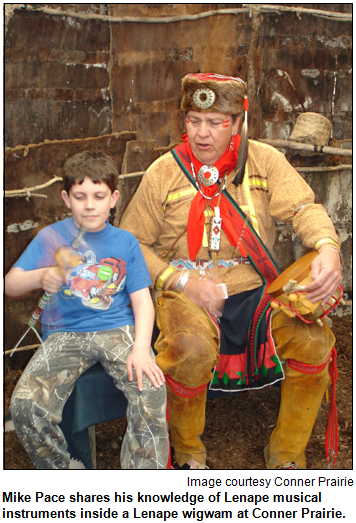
(107, 267)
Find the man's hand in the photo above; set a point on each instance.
(205, 293)
(141, 361)
(326, 275)
(52, 279)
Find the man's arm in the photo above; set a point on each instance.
(291, 200)
(140, 358)
(148, 204)
(19, 281)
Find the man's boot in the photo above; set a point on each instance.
(301, 392)
(187, 351)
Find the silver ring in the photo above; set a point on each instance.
(204, 98)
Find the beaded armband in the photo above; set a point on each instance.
(327, 242)
(163, 276)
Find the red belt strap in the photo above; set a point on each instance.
(332, 433)
(179, 389)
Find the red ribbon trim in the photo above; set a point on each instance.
(182, 391)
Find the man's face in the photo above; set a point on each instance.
(90, 204)
(209, 134)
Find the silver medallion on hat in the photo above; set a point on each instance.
(203, 98)
(208, 175)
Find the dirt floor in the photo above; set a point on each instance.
(237, 428)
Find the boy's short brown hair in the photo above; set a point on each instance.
(97, 166)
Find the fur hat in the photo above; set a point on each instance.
(210, 92)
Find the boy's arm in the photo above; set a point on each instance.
(140, 358)
(18, 281)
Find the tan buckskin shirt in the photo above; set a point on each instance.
(271, 190)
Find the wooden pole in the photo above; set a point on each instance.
(16, 193)
(281, 144)
(25, 347)
(330, 15)
(345, 167)
(306, 147)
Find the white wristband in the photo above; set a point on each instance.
(183, 278)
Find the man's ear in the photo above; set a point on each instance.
(114, 197)
(236, 125)
(66, 198)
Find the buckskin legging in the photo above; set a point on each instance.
(188, 350)
(39, 397)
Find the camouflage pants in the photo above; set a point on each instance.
(40, 395)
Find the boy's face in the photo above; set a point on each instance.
(90, 204)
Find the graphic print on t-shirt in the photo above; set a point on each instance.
(94, 283)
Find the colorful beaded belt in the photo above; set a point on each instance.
(186, 263)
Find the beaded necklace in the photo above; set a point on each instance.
(215, 233)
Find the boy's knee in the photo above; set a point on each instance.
(159, 394)
(21, 412)
(153, 405)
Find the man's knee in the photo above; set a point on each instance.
(187, 357)
(190, 346)
(294, 339)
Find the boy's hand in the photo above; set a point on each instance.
(52, 279)
(141, 361)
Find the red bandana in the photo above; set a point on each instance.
(196, 218)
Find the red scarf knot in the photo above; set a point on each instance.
(196, 218)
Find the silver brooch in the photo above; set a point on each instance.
(204, 98)
(208, 175)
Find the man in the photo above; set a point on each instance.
(204, 216)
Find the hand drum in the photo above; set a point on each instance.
(298, 271)
(288, 292)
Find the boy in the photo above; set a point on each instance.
(88, 319)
